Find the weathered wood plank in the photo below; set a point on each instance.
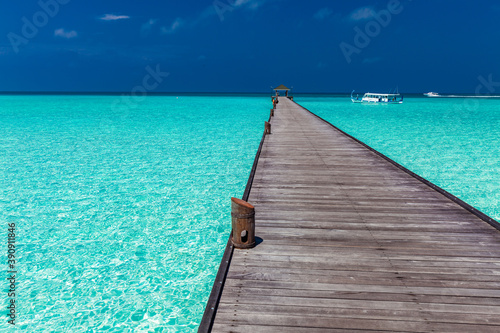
(383, 314)
(282, 322)
(396, 288)
(239, 328)
(246, 273)
(347, 303)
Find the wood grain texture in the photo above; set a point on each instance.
(351, 243)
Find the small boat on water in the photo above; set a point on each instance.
(431, 94)
(378, 98)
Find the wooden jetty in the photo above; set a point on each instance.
(350, 241)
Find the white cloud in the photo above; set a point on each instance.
(173, 27)
(362, 14)
(250, 4)
(323, 14)
(226, 7)
(65, 34)
(321, 65)
(239, 3)
(113, 17)
(146, 27)
(371, 60)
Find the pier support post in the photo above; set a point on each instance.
(272, 112)
(243, 224)
(267, 127)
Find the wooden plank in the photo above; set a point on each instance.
(282, 322)
(400, 268)
(365, 304)
(246, 273)
(399, 287)
(239, 328)
(383, 314)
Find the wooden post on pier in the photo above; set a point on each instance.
(267, 128)
(272, 112)
(243, 224)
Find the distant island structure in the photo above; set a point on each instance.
(281, 88)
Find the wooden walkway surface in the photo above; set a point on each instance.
(353, 243)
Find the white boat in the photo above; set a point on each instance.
(431, 94)
(378, 98)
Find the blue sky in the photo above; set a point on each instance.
(250, 45)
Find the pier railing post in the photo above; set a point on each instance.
(243, 224)
(272, 112)
(267, 127)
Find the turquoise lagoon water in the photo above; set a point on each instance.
(452, 142)
(121, 207)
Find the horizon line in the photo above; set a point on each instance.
(128, 93)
